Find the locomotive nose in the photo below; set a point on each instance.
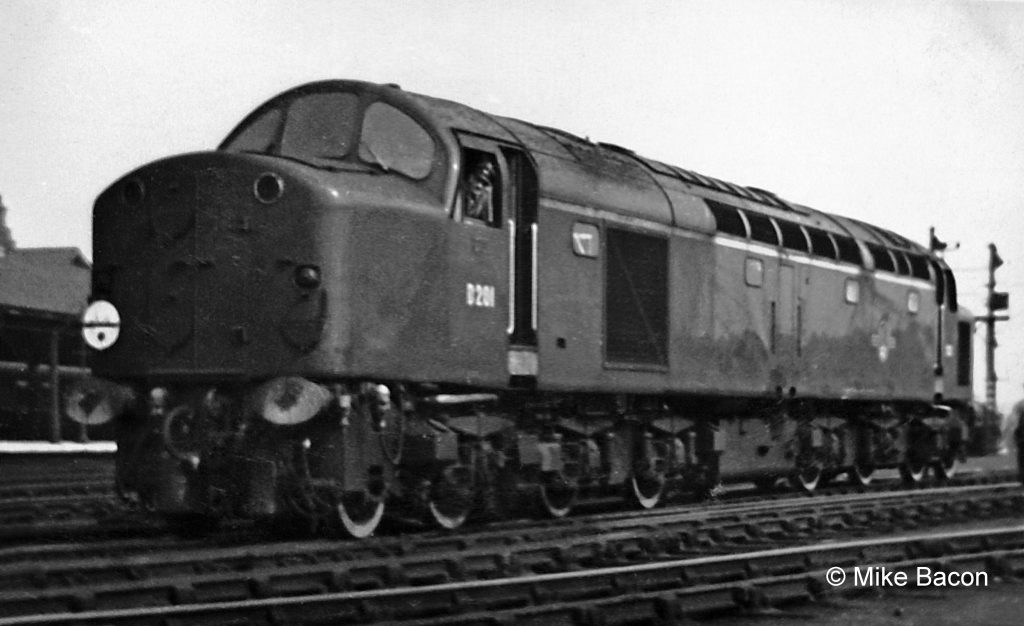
(204, 257)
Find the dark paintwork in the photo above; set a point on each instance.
(202, 274)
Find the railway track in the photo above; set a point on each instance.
(25, 474)
(184, 580)
(82, 505)
(54, 489)
(650, 592)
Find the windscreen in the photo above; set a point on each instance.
(395, 141)
(319, 128)
(315, 128)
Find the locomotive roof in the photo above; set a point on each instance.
(610, 177)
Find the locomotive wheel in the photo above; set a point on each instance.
(807, 477)
(861, 473)
(359, 513)
(912, 471)
(451, 498)
(648, 488)
(557, 495)
(178, 436)
(947, 466)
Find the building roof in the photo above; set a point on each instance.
(46, 280)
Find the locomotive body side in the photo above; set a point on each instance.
(735, 316)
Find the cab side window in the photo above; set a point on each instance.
(480, 188)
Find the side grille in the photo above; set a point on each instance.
(636, 298)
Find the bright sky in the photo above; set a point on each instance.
(903, 114)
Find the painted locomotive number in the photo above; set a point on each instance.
(480, 295)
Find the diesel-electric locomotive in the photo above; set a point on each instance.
(368, 299)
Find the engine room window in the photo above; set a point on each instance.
(394, 141)
(762, 229)
(918, 266)
(727, 219)
(913, 301)
(849, 251)
(319, 126)
(883, 260)
(902, 264)
(792, 236)
(852, 295)
(821, 243)
(754, 272)
(585, 240)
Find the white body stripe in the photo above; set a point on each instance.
(736, 244)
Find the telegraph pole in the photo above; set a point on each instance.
(997, 301)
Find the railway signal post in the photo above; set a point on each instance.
(996, 301)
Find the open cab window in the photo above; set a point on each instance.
(479, 196)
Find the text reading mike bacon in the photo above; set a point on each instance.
(881, 576)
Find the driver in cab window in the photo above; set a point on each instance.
(478, 191)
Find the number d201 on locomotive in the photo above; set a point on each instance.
(367, 300)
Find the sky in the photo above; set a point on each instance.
(905, 114)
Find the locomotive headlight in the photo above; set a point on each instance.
(101, 325)
(268, 188)
(307, 276)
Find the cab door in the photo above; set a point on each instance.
(494, 313)
(524, 310)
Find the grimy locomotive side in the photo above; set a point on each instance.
(368, 298)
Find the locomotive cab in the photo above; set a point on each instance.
(445, 283)
(345, 127)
